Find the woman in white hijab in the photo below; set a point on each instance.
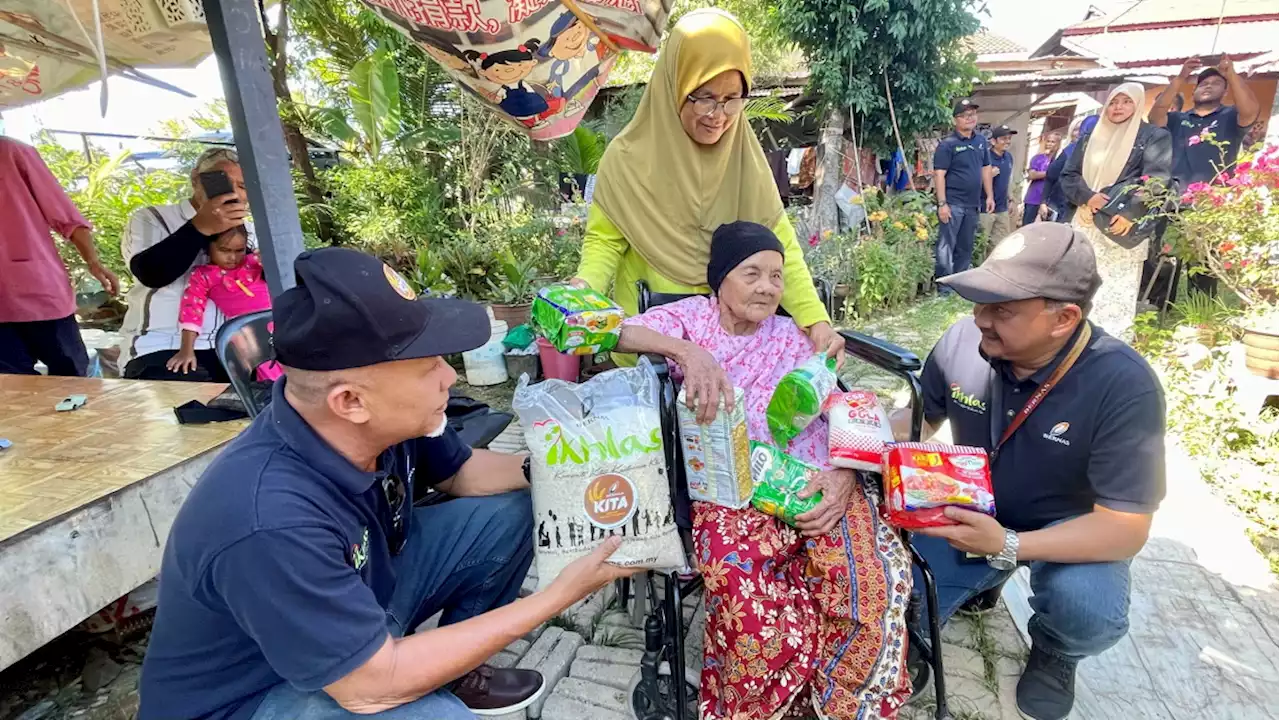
(1122, 149)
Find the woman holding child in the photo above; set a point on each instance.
(685, 165)
(800, 621)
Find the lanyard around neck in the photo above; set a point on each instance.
(1082, 340)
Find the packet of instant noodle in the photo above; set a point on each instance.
(779, 477)
(798, 399)
(717, 455)
(857, 430)
(578, 321)
(922, 479)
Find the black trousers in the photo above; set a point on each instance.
(152, 367)
(56, 343)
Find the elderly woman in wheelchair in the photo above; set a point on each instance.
(801, 621)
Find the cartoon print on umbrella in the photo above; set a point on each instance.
(570, 40)
(529, 103)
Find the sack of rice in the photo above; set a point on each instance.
(858, 430)
(716, 455)
(598, 470)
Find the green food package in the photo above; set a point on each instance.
(518, 338)
(798, 399)
(577, 321)
(779, 477)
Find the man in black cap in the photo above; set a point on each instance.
(1074, 423)
(959, 181)
(996, 223)
(1197, 157)
(298, 567)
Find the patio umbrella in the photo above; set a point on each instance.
(48, 47)
(538, 63)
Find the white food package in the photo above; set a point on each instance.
(717, 456)
(598, 469)
(858, 430)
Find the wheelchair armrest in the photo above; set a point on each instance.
(881, 353)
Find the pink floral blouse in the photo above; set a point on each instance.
(754, 363)
(235, 292)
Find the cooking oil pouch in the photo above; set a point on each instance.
(798, 399)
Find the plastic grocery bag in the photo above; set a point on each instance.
(858, 429)
(598, 469)
(922, 479)
(717, 455)
(779, 477)
(538, 63)
(798, 399)
(577, 321)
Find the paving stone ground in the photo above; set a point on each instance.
(591, 657)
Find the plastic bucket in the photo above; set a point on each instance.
(518, 365)
(486, 365)
(556, 365)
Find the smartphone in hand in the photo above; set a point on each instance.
(215, 183)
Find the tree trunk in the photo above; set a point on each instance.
(828, 179)
(299, 151)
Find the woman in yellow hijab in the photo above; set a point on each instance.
(1122, 149)
(685, 165)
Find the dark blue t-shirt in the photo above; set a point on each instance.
(1197, 157)
(1097, 438)
(278, 567)
(999, 183)
(963, 159)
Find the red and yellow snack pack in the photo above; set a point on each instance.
(922, 479)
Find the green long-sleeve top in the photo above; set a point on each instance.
(609, 262)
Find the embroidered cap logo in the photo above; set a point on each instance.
(398, 283)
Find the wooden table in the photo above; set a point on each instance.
(87, 497)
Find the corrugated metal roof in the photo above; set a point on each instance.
(1161, 11)
(1164, 72)
(1178, 43)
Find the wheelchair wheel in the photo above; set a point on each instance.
(660, 703)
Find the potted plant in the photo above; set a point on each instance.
(1230, 228)
(512, 295)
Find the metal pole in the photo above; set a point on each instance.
(237, 37)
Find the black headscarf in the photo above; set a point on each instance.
(734, 242)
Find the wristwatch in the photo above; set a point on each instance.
(1007, 558)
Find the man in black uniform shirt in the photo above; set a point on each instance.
(1074, 422)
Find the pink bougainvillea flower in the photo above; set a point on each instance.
(813, 240)
(1245, 263)
(1187, 198)
(1198, 187)
(1226, 265)
(1145, 178)
(1193, 140)
(1226, 247)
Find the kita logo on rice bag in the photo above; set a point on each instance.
(717, 455)
(539, 63)
(858, 430)
(578, 321)
(779, 478)
(798, 399)
(598, 469)
(921, 479)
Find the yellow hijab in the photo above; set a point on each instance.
(665, 192)
(1110, 144)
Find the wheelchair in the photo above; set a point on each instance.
(662, 691)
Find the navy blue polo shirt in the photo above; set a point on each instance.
(1097, 438)
(278, 569)
(963, 159)
(999, 183)
(1195, 158)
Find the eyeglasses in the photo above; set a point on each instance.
(707, 106)
(395, 492)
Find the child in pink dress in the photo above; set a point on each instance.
(233, 280)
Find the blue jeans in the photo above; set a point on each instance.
(1030, 213)
(1080, 609)
(465, 556)
(955, 241)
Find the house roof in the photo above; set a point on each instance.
(1101, 77)
(988, 43)
(1160, 12)
(1162, 45)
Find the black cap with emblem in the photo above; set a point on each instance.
(350, 309)
(1000, 131)
(1042, 260)
(963, 106)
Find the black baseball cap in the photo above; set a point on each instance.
(962, 106)
(1042, 260)
(350, 309)
(1208, 73)
(1000, 131)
